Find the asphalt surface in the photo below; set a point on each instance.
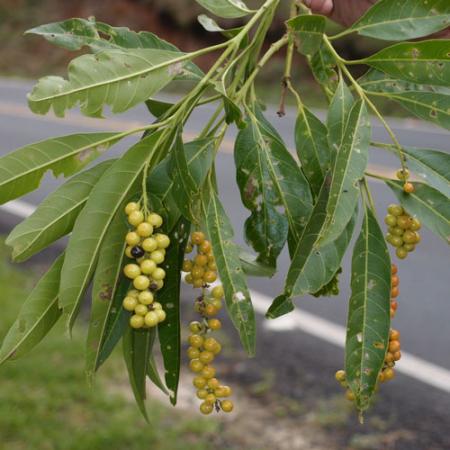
(424, 310)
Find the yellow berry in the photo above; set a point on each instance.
(217, 349)
(131, 207)
(129, 303)
(214, 324)
(389, 374)
(187, 265)
(149, 244)
(349, 395)
(402, 174)
(133, 293)
(205, 247)
(141, 282)
(415, 224)
(212, 265)
(132, 238)
(210, 310)
(227, 406)
(395, 210)
(201, 260)
(217, 292)
(210, 398)
(151, 319)
(197, 272)
(148, 266)
(208, 371)
(136, 321)
(196, 366)
(401, 253)
(340, 375)
(157, 305)
(132, 271)
(197, 283)
(202, 394)
(141, 310)
(195, 327)
(188, 279)
(161, 315)
(209, 344)
(157, 284)
(193, 353)
(158, 274)
(408, 188)
(206, 408)
(213, 383)
(155, 220)
(199, 382)
(144, 229)
(146, 297)
(197, 237)
(206, 357)
(136, 218)
(210, 276)
(162, 240)
(195, 340)
(217, 304)
(223, 391)
(157, 256)
(188, 248)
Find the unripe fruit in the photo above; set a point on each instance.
(390, 220)
(133, 293)
(151, 319)
(395, 291)
(397, 231)
(201, 260)
(193, 353)
(212, 265)
(137, 252)
(223, 391)
(157, 305)
(128, 252)
(155, 220)
(197, 283)
(404, 222)
(195, 326)
(157, 256)
(394, 346)
(217, 304)
(349, 395)
(141, 282)
(144, 229)
(397, 356)
(136, 321)
(213, 383)
(162, 240)
(394, 335)
(146, 297)
(208, 372)
(149, 244)
(395, 210)
(227, 406)
(402, 174)
(211, 399)
(188, 248)
(195, 340)
(217, 292)
(197, 272)
(396, 241)
(408, 188)
(389, 374)
(197, 237)
(217, 349)
(158, 274)
(210, 310)
(206, 408)
(148, 266)
(188, 278)
(409, 247)
(415, 224)
(132, 271)
(199, 382)
(205, 247)
(410, 237)
(209, 344)
(210, 276)
(340, 375)
(129, 303)
(214, 324)
(136, 218)
(132, 238)
(202, 394)
(157, 285)
(141, 310)
(401, 253)
(196, 366)
(187, 265)
(161, 315)
(131, 207)
(394, 281)
(389, 357)
(206, 357)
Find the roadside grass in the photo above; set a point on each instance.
(46, 403)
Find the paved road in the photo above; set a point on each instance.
(424, 303)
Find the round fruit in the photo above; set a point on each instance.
(397, 356)
(133, 293)
(198, 238)
(141, 310)
(206, 357)
(217, 304)
(137, 252)
(396, 241)
(158, 274)
(129, 303)
(193, 353)
(410, 237)
(197, 272)
(141, 282)
(210, 276)
(144, 229)
(162, 240)
(157, 285)
(131, 207)
(199, 382)
(155, 220)
(149, 244)
(394, 346)
(349, 395)
(208, 372)
(212, 265)
(340, 375)
(395, 210)
(408, 188)
(227, 406)
(205, 247)
(394, 335)
(224, 391)
(161, 315)
(201, 260)
(136, 321)
(202, 394)
(206, 408)
(210, 398)
(195, 340)
(210, 310)
(404, 221)
(187, 265)
(415, 224)
(151, 319)
(217, 292)
(195, 327)
(146, 297)
(397, 231)
(209, 344)
(395, 291)
(213, 383)
(132, 238)
(188, 248)
(394, 269)
(136, 218)
(132, 271)
(157, 305)
(401, 253)
(128, 252)
(196, 366)
(214, 324)
(148, 266)
(217, 349)
(157, 256)
(402, 174)
(390, 220)
(389, 374)
(197, 283)
(409, 247)
(188, 278)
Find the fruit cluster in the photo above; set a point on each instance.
(393, 353)
(402, 230)
(149, 250)
(203, 348)
(403, 175)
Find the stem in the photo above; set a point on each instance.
(378, 177)
(369, 197)
(342, 65)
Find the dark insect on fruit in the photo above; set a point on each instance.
(137, 252)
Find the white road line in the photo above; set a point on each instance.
(323, 329)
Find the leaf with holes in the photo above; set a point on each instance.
(323, 67)
(430, 206)
(55, 216)
(368, 316)
(36, 318)
(309, 30)
(21, 171)
(398, 20)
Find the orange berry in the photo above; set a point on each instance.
(408, 188)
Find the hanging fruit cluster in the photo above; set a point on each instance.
(148, 249)
(395, 291)
(202, 347)
(403, 175)
(402, 230)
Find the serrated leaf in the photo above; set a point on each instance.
(55, 216)
(94, 220)
(309, 30)
(348, 169)
(74, 34)
(269, 179)
(37, 316)
(226, 252)
(323, 67)
(118, 78)
(340, 106)
(169, 297)
(397, 20)
(228, 9)
(137, 348)
(368, 317)
(192, 162)
(426, 62)
(105, 287)
(429, 106)
(311, 142)
(431, 165)
(430, 206)
(21, 171)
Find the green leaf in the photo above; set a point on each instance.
(74, 34)
(426, 62)
(309, 30)
(226, 252)
(153, 374)
(105, 286)
(118, 78)
(55, 216)
(228, 9)
(323, 67)
(252, 267)
(311, 142)
(368, 317)
(340, 106)
(169, 297)
(192, 162)
(429, 106)
(157, 107)
(431, 165)
(397, 20)
(429, 205)
(260, 155)
(21, 171)
(37, 316)
(348, 169)
(209, 24)
(94, 220)
(137, 349)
